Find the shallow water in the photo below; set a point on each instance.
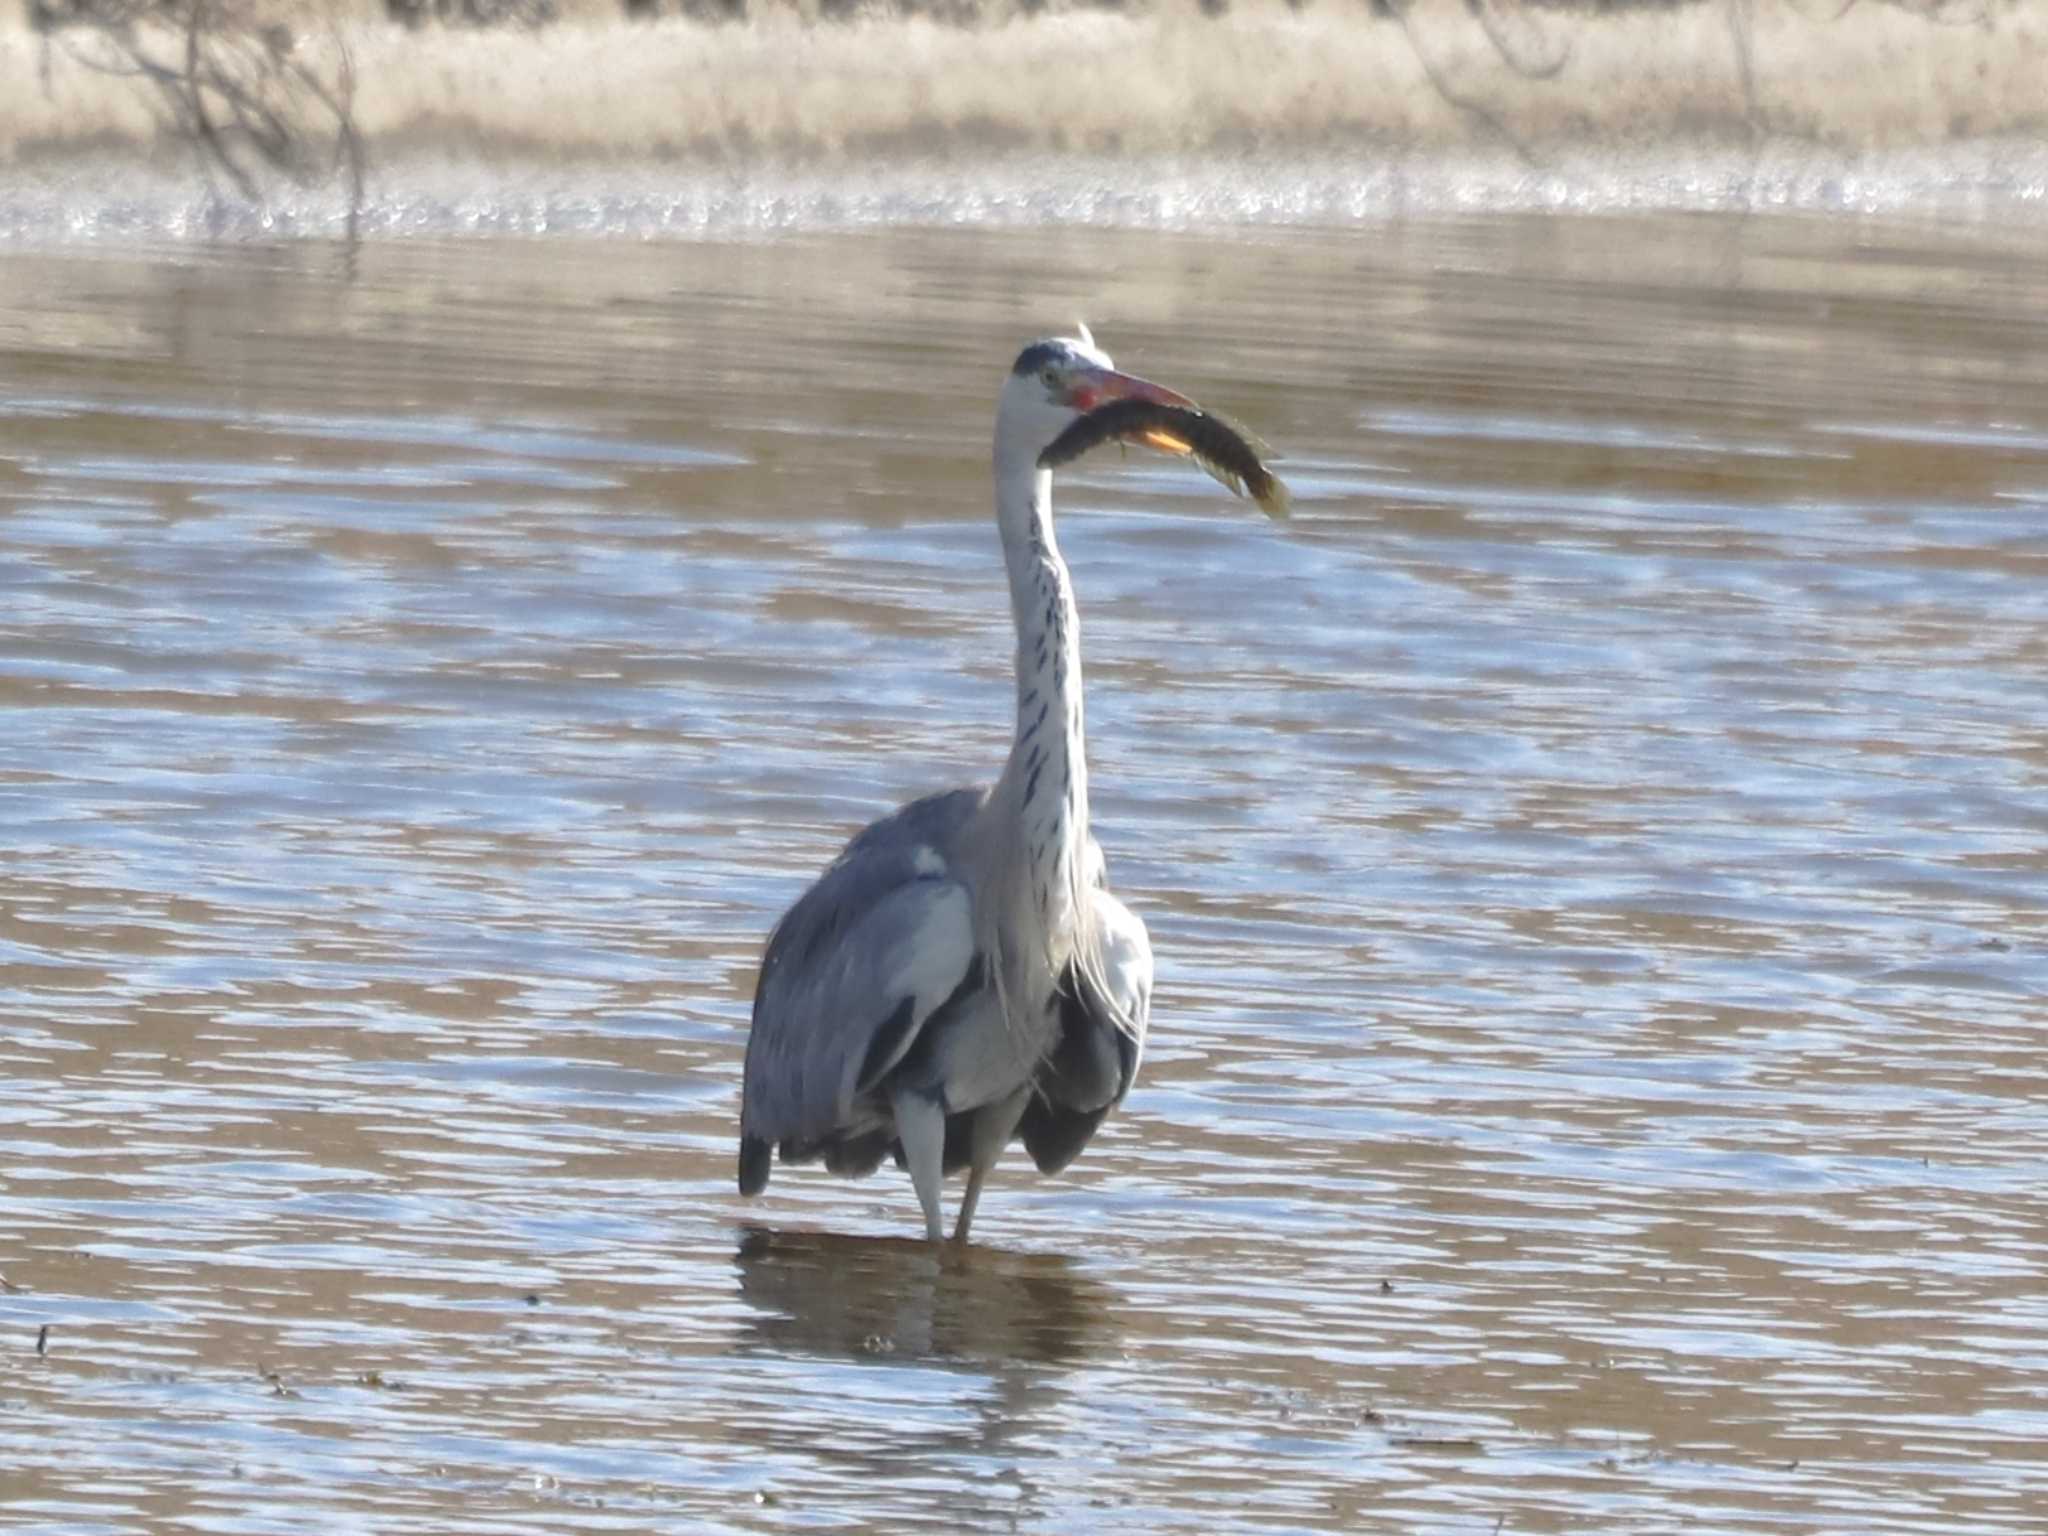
(1594, 853)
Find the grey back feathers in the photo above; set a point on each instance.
(884, 928)
(878, 959)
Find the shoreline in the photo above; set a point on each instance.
(1259, 80)
(104, 200)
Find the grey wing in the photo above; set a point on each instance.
(852, 972)
(1101, 1041)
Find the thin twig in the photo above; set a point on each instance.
(234, 88)
(1470, 106)
(1491, 19)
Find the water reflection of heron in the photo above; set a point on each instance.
(897, 1300)
(961, 974)
(958, 1361)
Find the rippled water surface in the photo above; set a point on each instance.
(1595, 854)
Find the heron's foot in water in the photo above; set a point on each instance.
(921, 1128)
(994, 1125)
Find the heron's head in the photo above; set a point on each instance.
(1055, 380)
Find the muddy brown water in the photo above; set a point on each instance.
(1595, 854)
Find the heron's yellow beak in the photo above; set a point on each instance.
(1099, 386)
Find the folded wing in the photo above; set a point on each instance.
(1101, 1041)
(852, 973)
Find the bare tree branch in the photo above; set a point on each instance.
(1471, 106)
(1491, 19)
(240, 91)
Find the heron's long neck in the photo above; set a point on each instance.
(1047, 775)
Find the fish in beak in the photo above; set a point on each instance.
(1124, 408)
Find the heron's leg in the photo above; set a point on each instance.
(921, 1127)
(994, 1125)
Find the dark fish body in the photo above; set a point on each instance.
(1228, 453)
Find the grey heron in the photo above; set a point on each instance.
(960, 975)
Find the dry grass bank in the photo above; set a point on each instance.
(1166, 79)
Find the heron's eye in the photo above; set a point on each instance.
(1051, 376)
